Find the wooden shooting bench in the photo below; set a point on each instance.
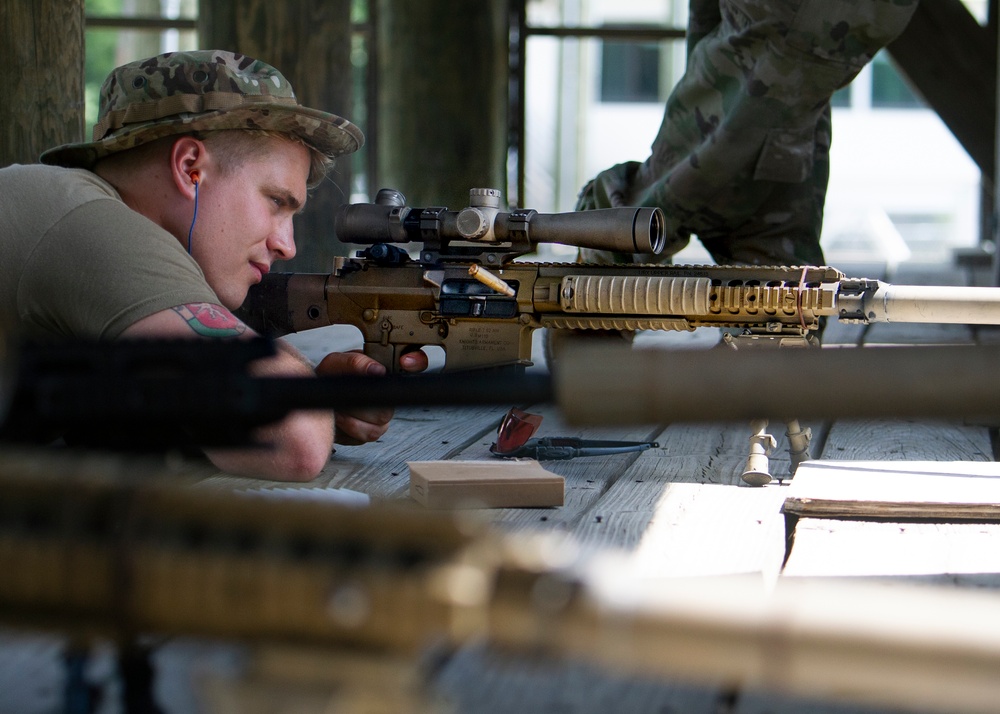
(677, 512)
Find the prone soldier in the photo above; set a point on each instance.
(159, 225)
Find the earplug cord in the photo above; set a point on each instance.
(195, 179)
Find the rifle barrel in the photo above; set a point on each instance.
(940, 304)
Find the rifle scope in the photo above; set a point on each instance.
(624, 230)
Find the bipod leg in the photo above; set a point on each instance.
(761, 445)
(799, 440)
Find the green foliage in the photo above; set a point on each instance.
(359, 11)
(100, 56)
(106, 48)
(102, 7)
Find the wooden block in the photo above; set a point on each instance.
(942, 490)
(521, 483)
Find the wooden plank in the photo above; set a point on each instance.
(826, 547)
(587, 478)
(945, 490)
(31, 672)
(610, 500)
(693, 454)
(952, 61)
(707, 529)
(716, 452)
(750, 701)
(585, 484)
(611, 504)
(488, 680)
(42, 49)
(906, 440)
(826, 493)
(379, 469)
(416, 434)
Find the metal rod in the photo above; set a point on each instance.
(636, 33)
(449, 388)
(141, 23)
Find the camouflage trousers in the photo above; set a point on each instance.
(741, 159)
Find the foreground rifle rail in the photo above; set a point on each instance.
(146, 388)
(137, 394)
(466, 293)
(164, 394)
(112, 547)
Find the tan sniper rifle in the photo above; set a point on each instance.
(464, 292)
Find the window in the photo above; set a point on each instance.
(842, 97)
(630, 71)
(889, 89)
(119, 31)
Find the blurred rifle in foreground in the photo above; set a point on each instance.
(151, 395)
(114, 548)
(155, 395)
(465, 292)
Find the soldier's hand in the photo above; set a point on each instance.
(364, 425)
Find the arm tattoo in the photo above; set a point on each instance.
(210, 320)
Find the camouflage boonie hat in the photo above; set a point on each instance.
(181, 92)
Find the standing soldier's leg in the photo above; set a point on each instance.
(741, 158)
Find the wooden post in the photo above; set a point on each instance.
(951, 60)
(309, 41)
(41, 51)
(442, 99)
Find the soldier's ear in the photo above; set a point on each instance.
(187, 156)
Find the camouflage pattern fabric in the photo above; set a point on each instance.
(182, 92)
(741, 159)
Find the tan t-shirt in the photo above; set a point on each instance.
(75, 261)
